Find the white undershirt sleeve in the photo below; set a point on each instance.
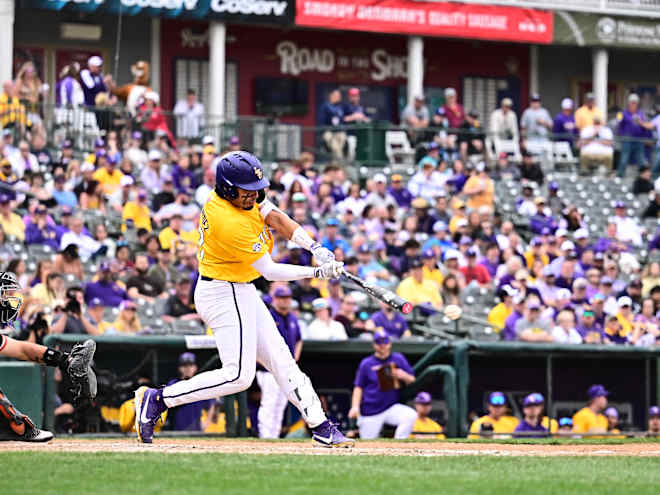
(281, 272)
(266, 207)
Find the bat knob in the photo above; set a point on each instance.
(407, 308)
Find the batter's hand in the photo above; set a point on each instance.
(354, 413)
(321, 254)
(332, 269)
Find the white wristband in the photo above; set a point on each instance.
(302, 238)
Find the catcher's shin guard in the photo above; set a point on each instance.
(20, 426)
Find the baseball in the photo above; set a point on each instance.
(453, 312)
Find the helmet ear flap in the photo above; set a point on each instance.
(261, 195)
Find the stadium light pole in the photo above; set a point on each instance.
(6, 39)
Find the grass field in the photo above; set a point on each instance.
(60, 472)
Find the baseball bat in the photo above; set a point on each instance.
(382, 294)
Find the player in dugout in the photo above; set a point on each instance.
(235, 248)
(496, 422)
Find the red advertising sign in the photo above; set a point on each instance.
(457, 20)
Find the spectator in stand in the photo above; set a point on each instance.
(565, 331)
(353, 110)
(40, 150)
(532, 327)
(590, 419)
(87, 246)
(416, 116)
(163, 273)
(417, 290)
(496, 422)
(379, 197)
(24, 160)
(480, 188)
(40, 231)
(189, 115)
(92, 80)
(72, 321)
(189, 416)
(500, 312)
(323, 327)
(105, 288)
(589, 329)
(62, 196)
(474, 272)
(179, 304)
(509, 331)
(175, 238)
(530, 170)
(631, 127)
(13, 114)
(643, 183)
(596, 146)
(504, 122)
(541, 221)
(427, 182)
(152, 175)
(628, 229)
(373, 405)
(401, 195)
(183, 176)
(535, 122)
(431, 271)
(136, 213)
(471, 139)
(139, 285)
(453, 110)
(68, 91)
(204, 189)
(564, 127)
(654, 422)
(182, 205)
(584, 116)
(152, 118)
(167, 195)
(127, 320)
(391, 322)
(107, 174)
(424, 426)
(331, 115)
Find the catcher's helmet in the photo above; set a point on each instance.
(10, 297)
(239, 169)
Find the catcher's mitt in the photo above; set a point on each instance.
(79, 369)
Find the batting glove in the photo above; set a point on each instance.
(321, 254)
(332, 269)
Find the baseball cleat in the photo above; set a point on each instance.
(149, 405)
(22, 428)
(328, 435)
(36, 435)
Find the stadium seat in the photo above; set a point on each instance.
(398, 149)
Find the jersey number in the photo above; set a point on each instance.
(203, 227)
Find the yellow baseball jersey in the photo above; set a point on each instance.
(587, 421)
(230, 240)
(427, 428)
(554, 428)
(498, 315)
(506, 424)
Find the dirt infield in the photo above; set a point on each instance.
(389, 448)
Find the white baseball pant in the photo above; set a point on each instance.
(399, 415)
(244, 331)
(272, 406)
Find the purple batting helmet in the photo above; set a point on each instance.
(239, 169)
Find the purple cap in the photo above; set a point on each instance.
(553, 186)
(536, 241)
(496, 399)
(142, 193)
(364, 248)
(112, 159)
(472, 252)
(41, 210)
(136, 135)
(66, 211)
(606, 281)
(95, 302)
(465, 241)
(101, 152)
(67, 144)
(432, 146)
(282, 292)
(104, 267)
(533, 399)
(654, 411)
(381, 337)
(334, 281)
(619, 204)
(441, 111)
(379, 246)
(233, 141)
(546, 231)
(99, 143)
(428, 254)
(187, 358)
(611, 412)
(423, 398)
(597, 391)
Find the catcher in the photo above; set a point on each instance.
(15, 425)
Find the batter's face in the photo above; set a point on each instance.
(245, 200)
(654, 424)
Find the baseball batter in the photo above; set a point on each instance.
(76, 364)
(234, 249)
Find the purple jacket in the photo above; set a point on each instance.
(509, 332)
(375, 400)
